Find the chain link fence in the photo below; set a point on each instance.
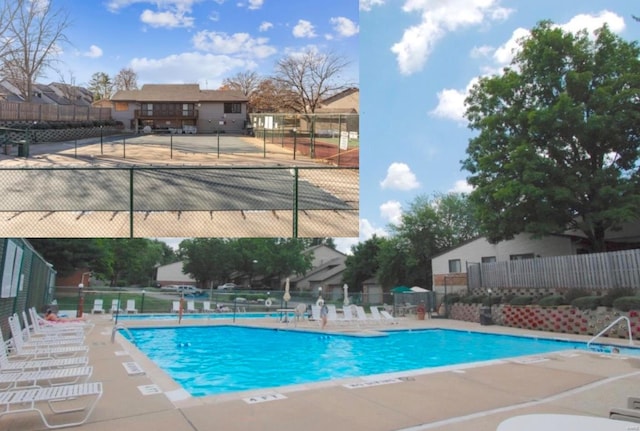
(334, 138)
(172, 201)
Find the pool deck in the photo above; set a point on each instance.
(452, 398)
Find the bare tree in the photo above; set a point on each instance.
(34, 36)
(272, 96)
(126, 79)
(68, 87)
(8, 10)
(312, 76)
(247, 82)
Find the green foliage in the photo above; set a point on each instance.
(546, 125)
(627, 303)
(472, 299)
(362, 263)
(452, 298)
(491, 300)
(586, 302)
(552, 300)
(574, 293)
(615, 293)
(521, 300)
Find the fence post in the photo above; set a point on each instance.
(295, 203)
(131, 202)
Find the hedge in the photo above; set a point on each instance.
(626, 303)
(587, 302)
(552, 300)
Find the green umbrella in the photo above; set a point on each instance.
(401, 289)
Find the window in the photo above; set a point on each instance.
(454, 265)
(488, 259)
(146, 109)
(232, 108)
(521, 256)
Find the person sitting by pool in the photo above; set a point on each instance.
(220, 308)
(53, 317)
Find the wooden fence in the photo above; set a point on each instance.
(586, 271)
(21, 111)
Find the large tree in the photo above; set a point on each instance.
(362, 263)
(207, 260)
(32, 36)
(311, 76)
(126, 79)
(558, 137)
(101, 86)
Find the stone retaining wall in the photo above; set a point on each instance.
(561, 319)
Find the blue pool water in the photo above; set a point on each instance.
(200, 316)
(220, 359)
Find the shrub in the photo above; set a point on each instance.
(551, 300)
(587, 302)
(472, 299)
(521, 300)
(615, 293)
(574, 293)
(452, 298)
(626, 303)
(491, 300)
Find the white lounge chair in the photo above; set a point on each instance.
(332, 314)
(131, 306)
(299, 312)
(54, 398)
(50, 377)
(388, 317)
(115, 306)
(315, 314)
(51, 337)
(42, 351)
(375, 315)
(191, 307)
(9, 364)
(98, 306)
(362, 315)
(206, 307)
(347, 315)
(44, 326)
(175, 308)
(45, 341)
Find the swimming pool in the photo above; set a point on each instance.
(220, 359)
(201, 316)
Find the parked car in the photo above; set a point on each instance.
(170, 288)
(190, 290)
(227, 286)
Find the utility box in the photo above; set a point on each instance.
(485, 316)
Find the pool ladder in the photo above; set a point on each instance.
(609, 327)
(125, 329)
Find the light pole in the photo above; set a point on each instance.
(295, 131)
(80, 309)
(101, 152)
(142, 302)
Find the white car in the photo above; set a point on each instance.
(227, 286)
(190, 290)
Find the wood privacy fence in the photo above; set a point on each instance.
(20, 111)
(585, 271)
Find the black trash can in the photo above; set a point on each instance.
(485, 316)
(21, 152)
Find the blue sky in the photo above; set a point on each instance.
(417, 60)
(200, 41)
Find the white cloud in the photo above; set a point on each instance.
(265, 25)
(304, 28)
(167, 19)
(189, 67)
(504, 53)
(344, 26)
(94, 52)
(366, 5)
(594, 22)
(344, 245)
(255, 4)
(399, 177)
(368, 229)
(438, 18)
(481, 51)
(391, 211)
(451, 103)
(461, 186)
(238, 43)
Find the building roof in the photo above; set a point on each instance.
(340, 95)
(177, 93)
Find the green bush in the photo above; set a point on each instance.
(521, 300)
(491, 300)
(574, 293)
(452, 298)
(587, 302)
(615, 293)
(472, 299)
(552, 300)
(626, 303)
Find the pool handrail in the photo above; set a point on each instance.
(609, 327)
